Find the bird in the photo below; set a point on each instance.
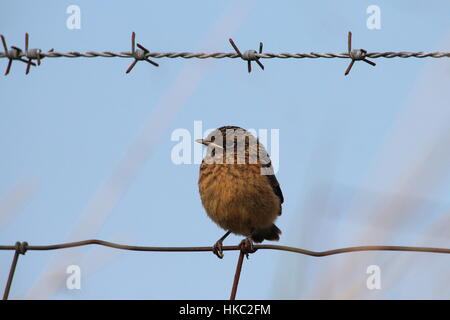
(238, 187)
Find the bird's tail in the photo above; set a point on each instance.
(271, 233)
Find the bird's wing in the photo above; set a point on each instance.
(276, 188)
(267, 165)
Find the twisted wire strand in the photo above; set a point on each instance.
(232, 55)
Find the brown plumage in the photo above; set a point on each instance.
(237, 186)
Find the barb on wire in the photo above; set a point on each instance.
(356, 55)
(143, 54)
(22, 247)
(14, 54)
(139, 54)
(249, 55)
(17, 54)
(33, 54)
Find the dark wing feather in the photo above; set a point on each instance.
(276, 188)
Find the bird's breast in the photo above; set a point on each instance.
(237, 197)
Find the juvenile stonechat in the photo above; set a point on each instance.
(238, 187)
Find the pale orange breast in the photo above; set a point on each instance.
(237, 197)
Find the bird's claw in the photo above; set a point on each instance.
(217, 249)
(247, 246)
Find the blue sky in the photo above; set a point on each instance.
(85, 148)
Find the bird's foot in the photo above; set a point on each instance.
(247, 246)
(217, 249)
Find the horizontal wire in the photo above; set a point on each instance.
(232, 55)
(23, 247)
(228, 248)
(143, 54)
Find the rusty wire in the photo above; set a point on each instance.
(143, 54)
(23, 247)
(237, 275)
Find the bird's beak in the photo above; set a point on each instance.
(208, 143)
(202, 141)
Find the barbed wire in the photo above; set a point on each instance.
(143, 54)
(21, 248)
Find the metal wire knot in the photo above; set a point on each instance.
(356, 55)
(21, 247)
(14, 54)
(33, 54)
(17, 54)
(139, 54)
(359, 54)
(249, 55)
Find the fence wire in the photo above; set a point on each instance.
(20, 248)
(143, 54)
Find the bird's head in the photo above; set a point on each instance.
(235, 145)
(225, 137)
